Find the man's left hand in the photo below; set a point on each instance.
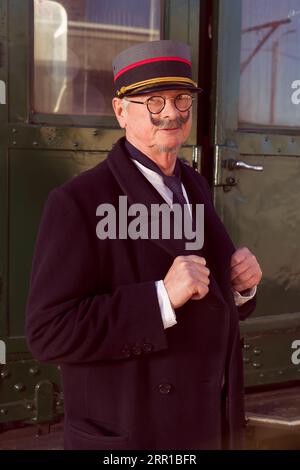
(245, 270)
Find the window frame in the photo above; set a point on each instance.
(72, 120)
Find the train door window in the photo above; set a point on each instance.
(270, 63)
(74, 44)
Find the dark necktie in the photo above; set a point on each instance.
(172, 182)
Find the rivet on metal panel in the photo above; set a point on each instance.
(4, 374)
(34, 143)
(230, 181)
(280, 372)
(19, 387)
(95, 132)
(34, 371)
(257, 351)
(29, 406)
(59, 403)
(246, 360)
(256, 365)
(246, 346)
(75, 144)
(3, 411)
(14, 142)
(261, 375)
(14, 131)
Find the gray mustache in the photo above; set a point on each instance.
(170, 124)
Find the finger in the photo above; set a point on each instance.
(201, 288)
(243, 271)
(195, 259)
(246, 285)
(201, 292)
(249, 262)
(197, 276)
(239, 256)
(245, 275)
(199, 270)
(196, 297)
(203, 280)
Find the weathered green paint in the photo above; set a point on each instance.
(20, 381)
(32, 174)
(45, 401)
(260, 211)
(37, 153)
(33, 160)
(182, 24)
(19, 65)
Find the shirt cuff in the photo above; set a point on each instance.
(167, 312)
(242, 299)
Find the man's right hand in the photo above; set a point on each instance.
(187, 278)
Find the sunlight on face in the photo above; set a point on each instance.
(156, 133)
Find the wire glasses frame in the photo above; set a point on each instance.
(155, 104)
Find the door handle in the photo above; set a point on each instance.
(233, 164)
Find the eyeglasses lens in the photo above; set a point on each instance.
(156, 104)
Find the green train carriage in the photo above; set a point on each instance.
(57, 121)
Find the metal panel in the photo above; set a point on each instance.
(19, 19)
(226, 66)
(3, 179)
(32, 174)
(20, 381)
(259, 208)
(182, 23)
(34, 158)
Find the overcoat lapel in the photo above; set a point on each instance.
(139, 190)
(219, 246)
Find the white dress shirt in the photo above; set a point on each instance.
(167, 311)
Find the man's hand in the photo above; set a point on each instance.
(245, 270)
(187, 278)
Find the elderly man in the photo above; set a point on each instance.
(145, 329)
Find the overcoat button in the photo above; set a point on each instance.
(136, 350)
(165, 388)
(147, 347)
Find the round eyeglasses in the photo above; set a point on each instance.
(155, 104)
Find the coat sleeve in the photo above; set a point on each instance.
(67, 319)
(246, 309)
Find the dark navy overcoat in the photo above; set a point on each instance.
(92, 308)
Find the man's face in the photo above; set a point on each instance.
(154, 133)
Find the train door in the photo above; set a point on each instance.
(57, 121)
(257, 171)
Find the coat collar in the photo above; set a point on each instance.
(139, 190)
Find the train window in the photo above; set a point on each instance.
(74, 44)
(270, 63)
